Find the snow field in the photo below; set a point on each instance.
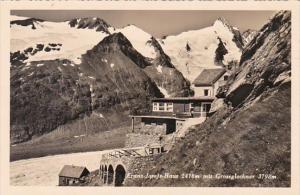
(44, 171)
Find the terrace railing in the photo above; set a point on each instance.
(135, 152)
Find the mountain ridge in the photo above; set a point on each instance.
(110, 80)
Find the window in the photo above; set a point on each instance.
(192, 107)
(206, 92)
(225, 77)
(155, 106)
(206, 107)
(151, 151)
(161, 106)
(169, 107)
(196, 107)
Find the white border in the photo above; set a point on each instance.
(5, 8)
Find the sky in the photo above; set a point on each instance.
(158, 22)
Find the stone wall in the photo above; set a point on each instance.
(140, 139)
(153, 129)
(132, 165)
(136, 166)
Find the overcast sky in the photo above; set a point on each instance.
(158, 23)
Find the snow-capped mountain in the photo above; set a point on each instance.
(24, 21)
(75, 36)
(84, 69)
(91, 23)
(139, 39)
(68, 40)
(209, 47)
(73, 42)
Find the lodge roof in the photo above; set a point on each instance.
(198, 98)
(156, 116)
(164, 115)
(72, 171)
(209, 76)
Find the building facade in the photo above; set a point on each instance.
(168, 115)
(70, 175)
(208, 82)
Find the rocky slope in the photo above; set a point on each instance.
(250, 133)
(91, 23)
(97, 93)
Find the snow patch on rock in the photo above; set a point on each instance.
(159, 69)
(30, 74)
(39, 65)
(76, 136)
(283, 78)
(164, 91)
(100, 115)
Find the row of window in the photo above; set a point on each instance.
(168, 107)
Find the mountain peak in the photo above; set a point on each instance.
(222, 19)
(91, 23)
(22, 18)
(222, 25)
(222, 22)
(117, 38)
(132, 28)
(24, 21)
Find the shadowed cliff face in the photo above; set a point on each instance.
(251, 133)
(27, 22)
(165, 75)
(90, 23)
(265, 62)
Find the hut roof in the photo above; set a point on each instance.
(73, 171)
(198, 98)
(209, 76)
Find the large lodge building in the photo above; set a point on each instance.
(169, 114)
